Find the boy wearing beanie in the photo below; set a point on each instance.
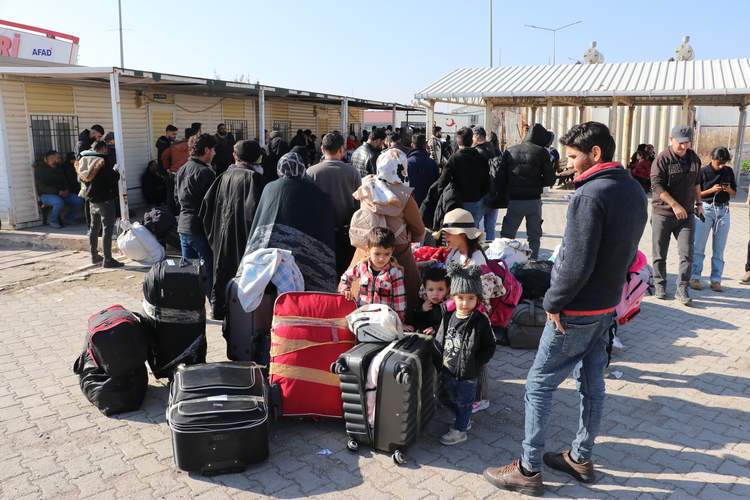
(464, 342)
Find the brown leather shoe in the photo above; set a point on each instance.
(582, 472)
(716, 287)
(511, 478)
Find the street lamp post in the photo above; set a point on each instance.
(554, 35)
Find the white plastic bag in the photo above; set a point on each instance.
(375, 323)
(139, 244)
(515, 253)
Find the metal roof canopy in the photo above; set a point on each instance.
(159, 82)
(723, 82)
(710, 83)
(118, 78)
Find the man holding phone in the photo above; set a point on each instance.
(675, 184)
(718, 185)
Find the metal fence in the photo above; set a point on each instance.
(238, 129)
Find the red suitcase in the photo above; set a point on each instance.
(308, 333)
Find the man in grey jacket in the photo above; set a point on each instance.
(606, 218)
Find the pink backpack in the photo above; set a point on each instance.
(639, 281)
(502, 307)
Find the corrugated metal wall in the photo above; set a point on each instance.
(23, 195)
(194, 108)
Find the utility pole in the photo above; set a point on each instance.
(122, 56)
(490, 33)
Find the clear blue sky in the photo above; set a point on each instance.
(386, 50)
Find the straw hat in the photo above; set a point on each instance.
(459, 221)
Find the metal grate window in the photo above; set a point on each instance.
(285, 127)
(53, 132)
(238, 128)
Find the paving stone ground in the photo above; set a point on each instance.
(676, 424)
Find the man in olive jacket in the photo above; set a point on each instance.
(54, 190)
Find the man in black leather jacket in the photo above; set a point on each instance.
(366, 155)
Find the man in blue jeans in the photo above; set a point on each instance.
(606, 218)
(191, 183)
(54, 190)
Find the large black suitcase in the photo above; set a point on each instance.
(405, 394)
(218, 417)
(174, 302)
(248, 334)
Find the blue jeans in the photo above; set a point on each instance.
(57, 203)
(490, 220)
(474, 208)
(461, 394)
(195, 246)
(584, 348)
(717, 222)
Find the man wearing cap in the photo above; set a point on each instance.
(227, 212)
(340, 180)
(526, 169)
(675, 182)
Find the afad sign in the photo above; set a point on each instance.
(23, 45)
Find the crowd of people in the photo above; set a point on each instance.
(351, 221)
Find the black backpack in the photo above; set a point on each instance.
(497, 197)
(534, 276)
(116, 341)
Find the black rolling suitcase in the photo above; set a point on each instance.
(174, 302)
(405, 394)
(248, 334)
(218, 417)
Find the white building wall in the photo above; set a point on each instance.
(22, 199)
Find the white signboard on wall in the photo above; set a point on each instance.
(40, 48)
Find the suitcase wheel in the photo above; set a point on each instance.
(338, 367)
(274, 401)
(398, 457)
(403, 376)
(352, 445)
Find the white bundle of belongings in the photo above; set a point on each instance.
(139, 244)
(375, 323)
(515, 253)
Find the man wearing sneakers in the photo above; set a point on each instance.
(606, 218)
(675, 183)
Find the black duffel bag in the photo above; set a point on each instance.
(526, 325)
(534, 276)
(112, 395)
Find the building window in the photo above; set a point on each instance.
(474, 118)
(285, 127)
(238, 128)
(53, 132)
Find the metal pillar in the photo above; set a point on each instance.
(581, 113)
(430, 118)
(393, 117)
(686, 111)
(740, 142)
(532, 121)
(5, 164)
(114, 88)
(488, 118)
(548, 115)
(613, 118)
(262, 117)
(628, 138)
(344, 116)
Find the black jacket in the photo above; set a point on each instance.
(437, 204)
(84, 143)
(364, 158)
(50, 180)
(103, 187)
(470, 173)
(477, 345)
(154, 187)
(527, 167)
(224, 150)
(423, 172)
(276, 149)
(191, 183)
(162, 144)
(227, 212)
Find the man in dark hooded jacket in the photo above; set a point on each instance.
(87, 138)
(526, 169)
(227, 212)
(469, 172)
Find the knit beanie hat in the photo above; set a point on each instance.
(465, 279)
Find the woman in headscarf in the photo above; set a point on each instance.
(388, 193)
(296, 215)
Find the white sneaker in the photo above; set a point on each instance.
(480, 405)
(453, 437)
